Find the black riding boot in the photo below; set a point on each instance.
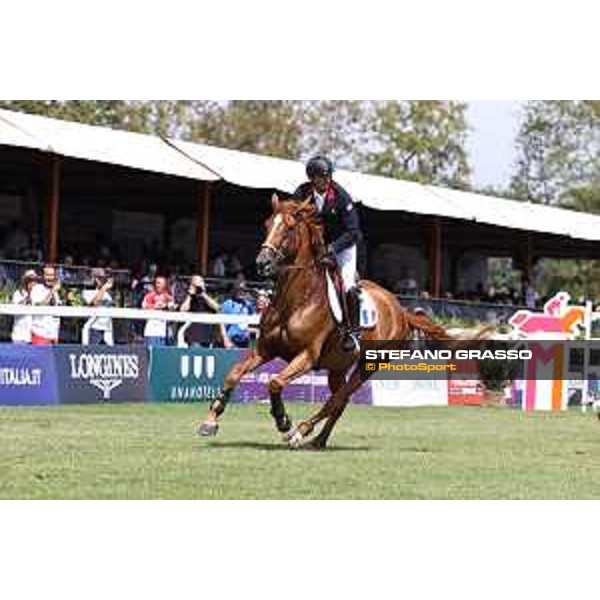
(352, 337)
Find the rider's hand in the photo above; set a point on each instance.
(327, 258)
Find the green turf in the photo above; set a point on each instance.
(151, 451)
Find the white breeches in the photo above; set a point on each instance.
(347, 261)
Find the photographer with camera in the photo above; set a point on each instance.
(100, 328)
(45, 328)
(198, 301)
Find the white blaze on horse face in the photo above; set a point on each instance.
(277, 223)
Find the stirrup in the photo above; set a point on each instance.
(351, 342)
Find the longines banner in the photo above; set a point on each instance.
(27, 376)
(94, 374)
(189, 374)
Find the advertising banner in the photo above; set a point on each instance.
(407, 392)
(27, 375)
(197, 374)
(466, 392)
(94, 374)
(189, 374)
(312, 387)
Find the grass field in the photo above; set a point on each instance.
(151, 451)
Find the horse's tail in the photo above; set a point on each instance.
(428, 328)
(433, 331)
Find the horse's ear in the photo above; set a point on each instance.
(275, 202)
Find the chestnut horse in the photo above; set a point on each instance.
(299, 326)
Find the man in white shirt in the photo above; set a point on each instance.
(100, 328)
(218, 267)
(45, 328)
(21, 331)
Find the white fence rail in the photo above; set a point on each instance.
(87, 312)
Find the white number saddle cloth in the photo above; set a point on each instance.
(368, 309)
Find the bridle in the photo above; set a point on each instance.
(281, 256)
(276, 251)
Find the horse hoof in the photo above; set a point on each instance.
(294, 438)
(208, 429)
(284, 424)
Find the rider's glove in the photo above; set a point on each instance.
(327, 258)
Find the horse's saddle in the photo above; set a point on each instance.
(368, 309)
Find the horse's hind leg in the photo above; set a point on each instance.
(300, 365)
(338, 401)
(336, 380)
(210, 426)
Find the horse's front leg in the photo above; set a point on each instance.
(300, 365)
(210, 425)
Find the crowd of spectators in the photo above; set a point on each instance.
(163, 282)
(53, 286)
(492, 295)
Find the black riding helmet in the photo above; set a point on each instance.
(319, 165)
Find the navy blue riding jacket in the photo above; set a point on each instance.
(341, 227)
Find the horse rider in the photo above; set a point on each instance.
(342, 234)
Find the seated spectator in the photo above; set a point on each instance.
(178, 289)
(421, 314)
(198, 301)
(263, 301)
(100, 328)
(45, 328)
(21, 331)
(237, 335)
(155, 331)
(66, 272)
(531, 297)
(234, 266)
(406, 285)
(218, 266)
(149, 279)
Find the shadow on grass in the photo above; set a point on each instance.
(278, 446)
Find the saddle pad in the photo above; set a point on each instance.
(334, 300)
(368, 309)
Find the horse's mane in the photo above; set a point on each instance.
(307, 213)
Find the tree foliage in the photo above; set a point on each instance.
(558, 148)
(263, 126)
(421, 140)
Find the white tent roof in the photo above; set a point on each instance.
(384, 193)
(209, 163)
(102, 144)
(258, 171)
(246, 169)
(526, 216)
